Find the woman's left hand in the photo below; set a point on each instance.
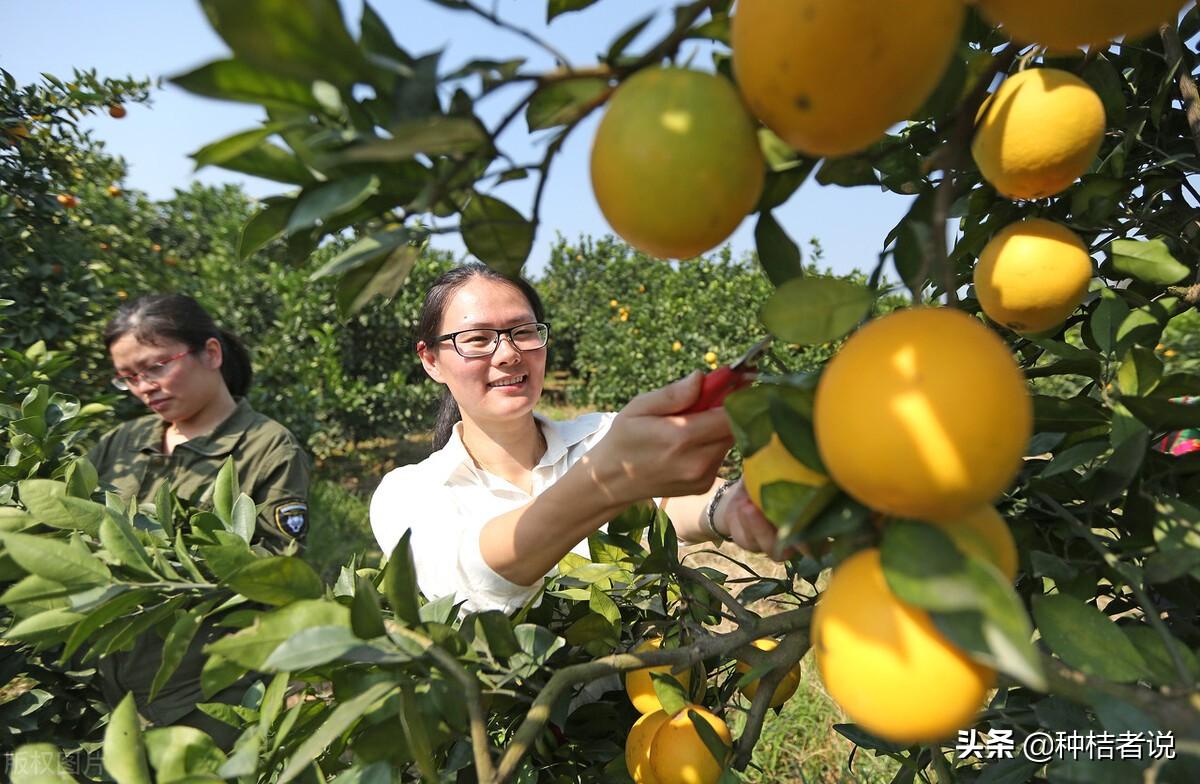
(747, 526)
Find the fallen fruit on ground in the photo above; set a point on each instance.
(829, 77)
(786, 688)
(923, 413)
(1062, 25)
(886, 664)
(1032, 275)
(640, 686)
(984, 534)
(679, 755)
(675, 164)
(1038, 133)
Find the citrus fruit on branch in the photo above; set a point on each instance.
(1063, 25)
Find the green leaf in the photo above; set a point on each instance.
(266, 226)
(558, 7)
(1147, 260)
(400, 582)
(118, 538)
(242, 518)
(1106, 320)
(1140, 373)
(810, 311)
(497, 630)
(124, 750)
(183, 754)
(218, 152)
(924, 567)
(55, 560)
(347, 713)
(412, 723)
(847, 172)
(225, 491)
(366, 614)
(276, 580)
(49, 503)
(1067, 415)
(435, 135)
(381, 277)
(1162, 414)
(100, 616)
(322, 202)
(365, 250)
(563, 102)
(250, 647)
(1086, 639)
(301, 39)
(174, 647)
(164, 509)
(1073, 457)
(777, 253)
(312, 647)
(271, 162)
(496, 234)
(712, 741)
(38, 763)
(46, 626)
(236, 80)
(1159, 663)
(670, 692)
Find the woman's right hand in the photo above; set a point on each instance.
(652, 450)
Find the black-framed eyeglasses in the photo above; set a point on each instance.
(155, 372)
(471, 343)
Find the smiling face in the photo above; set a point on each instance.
(499, 387)
(186, 386)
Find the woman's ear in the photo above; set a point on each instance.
(429, 361)
(212, 355)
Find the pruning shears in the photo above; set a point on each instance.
(721, 382)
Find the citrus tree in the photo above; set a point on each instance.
(996, 585)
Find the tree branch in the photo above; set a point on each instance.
(539, 713)
(1187, 86)
(955, 151)
(740, 613)
(786, 656)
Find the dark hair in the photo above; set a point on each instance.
(430, 322)
(155, 317)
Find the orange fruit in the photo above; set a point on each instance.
(679, 755)
(829, 77)
(786, 688)
(923, 413)
(640, 686)
(67, 200)
(116, 111)
(886, 664)
(675, 164)
(1063, 25)
(1038, 133)
(774, 463)
(637, 747)
(1032, 275)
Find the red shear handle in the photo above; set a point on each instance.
(716, 386)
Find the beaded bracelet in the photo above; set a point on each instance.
(711, 511)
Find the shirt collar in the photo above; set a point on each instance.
(218, 443)
(560, 436)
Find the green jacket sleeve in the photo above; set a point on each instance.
(281, 495)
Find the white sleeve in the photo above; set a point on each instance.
(445, 543)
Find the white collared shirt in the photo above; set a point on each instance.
(446, 500)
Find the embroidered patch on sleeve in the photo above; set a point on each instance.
(291, 517)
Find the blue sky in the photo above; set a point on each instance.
(153, 38)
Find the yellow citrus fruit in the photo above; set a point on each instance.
(710, 357)
(1032, 275)
(1061, 25)
(831, 76)
(637, 747)
(923, 413)
(676, 346)
(886, 664)
(774, 463)
(786, 688)
(678, 754)
(1038, 133)
(639, 685)
(676, 164)
(984, 534)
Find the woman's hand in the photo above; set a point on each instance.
(651, 450)
(738, 518)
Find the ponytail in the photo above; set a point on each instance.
(235, 364)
